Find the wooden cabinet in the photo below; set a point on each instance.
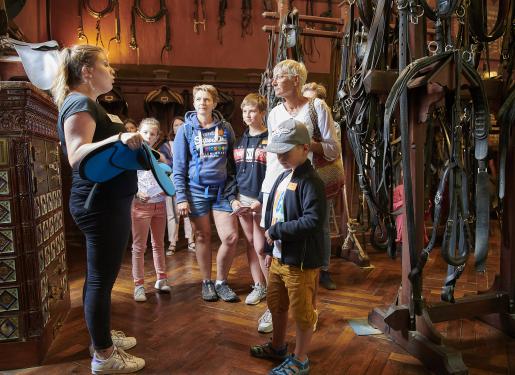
(34, 292)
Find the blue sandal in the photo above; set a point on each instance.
(291, 366)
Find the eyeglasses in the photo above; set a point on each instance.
(281, 77)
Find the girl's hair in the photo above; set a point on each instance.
(150, 121)
(127, 120)
(171, 131)
(210, 89)
(255, 99)
(316, 87)
(178, 118)
(292, 68)
(69, 74)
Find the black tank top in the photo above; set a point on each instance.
(121, 186)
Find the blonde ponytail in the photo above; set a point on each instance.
(69, 74)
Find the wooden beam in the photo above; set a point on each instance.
(307, 32)
(306, 18)
(470, 307)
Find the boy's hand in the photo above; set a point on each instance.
(268, 239)
(268, 261)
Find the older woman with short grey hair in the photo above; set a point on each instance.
(289, 76)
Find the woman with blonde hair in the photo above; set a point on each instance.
(204, 178)
(83, 125)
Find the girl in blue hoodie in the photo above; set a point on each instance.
(204, 178)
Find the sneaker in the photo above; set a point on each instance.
(225, 292)
(267, 351)
(265, 322)
(139, 293)
(291, 366)
(162, 286)
(326, 281)
(208, 291)
(118, 363)
(120, 340)
(316, 321)
(258, 293)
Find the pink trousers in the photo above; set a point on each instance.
(147, 216)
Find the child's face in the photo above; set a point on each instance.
(295, 157)
(252, 116)
(177, 123)
(150, 133)
(131, 128)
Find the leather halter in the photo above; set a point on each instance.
(246, 18)
(265, 87)
(163, 12)
(290, 38)
(196, 19)
(222, 7)
(478, 20)
(112, 5)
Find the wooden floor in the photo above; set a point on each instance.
(181, 334)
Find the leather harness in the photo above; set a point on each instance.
(196, 19)
(163, 12)
(112, 5)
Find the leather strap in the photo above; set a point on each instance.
(246, 18)
(222, 7)
(80, 30)
(478, 20)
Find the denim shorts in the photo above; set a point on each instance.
(200, 206)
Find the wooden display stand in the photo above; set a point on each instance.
(418, 336)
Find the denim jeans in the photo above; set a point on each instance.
(106, 226)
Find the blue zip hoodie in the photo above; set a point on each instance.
(203, 161)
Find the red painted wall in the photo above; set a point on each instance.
(189, 49)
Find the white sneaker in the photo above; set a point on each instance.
(162, 286)
(118, 363)
(258, 293)
(120, 340)
(139, 293)
(265, 322)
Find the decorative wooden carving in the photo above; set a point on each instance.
(34, 293)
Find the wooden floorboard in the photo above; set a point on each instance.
(181, 334)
